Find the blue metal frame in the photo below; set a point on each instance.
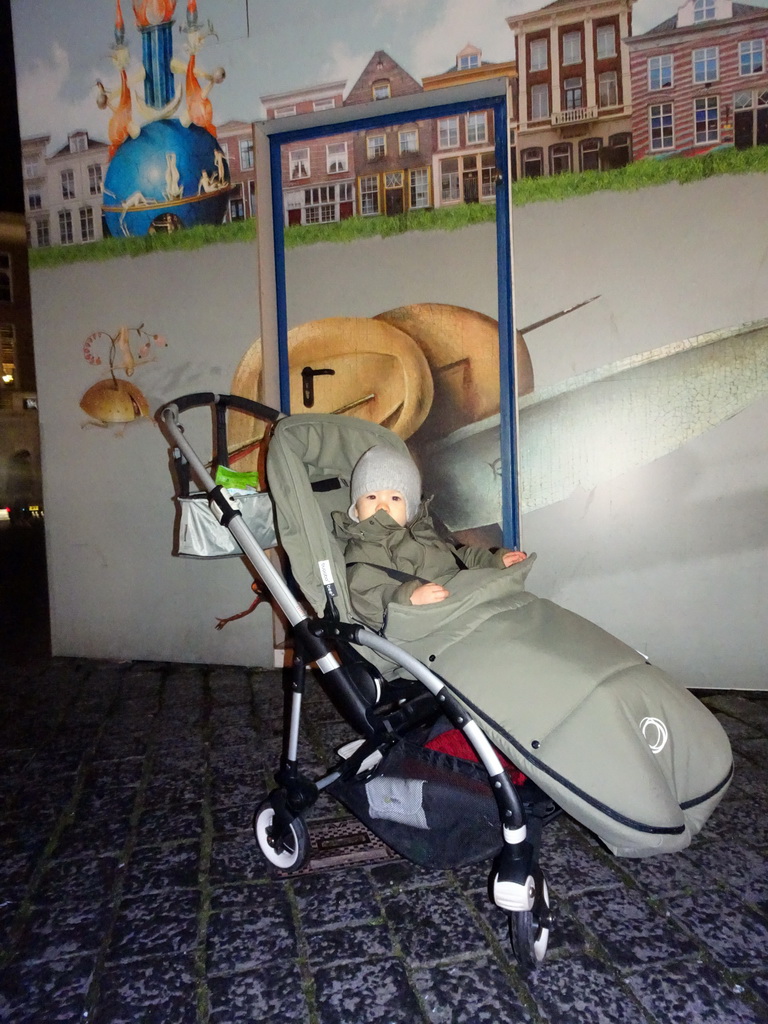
(508, 427)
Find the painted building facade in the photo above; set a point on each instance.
(318, 175)
(699, 80)
(63, 192)
(464, 160)
(575, 102)
(393, 163)
(236, 141)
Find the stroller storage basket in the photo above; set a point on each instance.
(201, 535)
(434, 809)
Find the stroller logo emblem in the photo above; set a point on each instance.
(655, 732)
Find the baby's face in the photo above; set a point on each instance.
(392, 502)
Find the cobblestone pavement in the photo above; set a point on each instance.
(131, 888)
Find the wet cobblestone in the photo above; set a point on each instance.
(132, 890)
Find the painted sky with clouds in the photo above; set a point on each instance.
(63, 46)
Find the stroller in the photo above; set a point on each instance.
(479, 719)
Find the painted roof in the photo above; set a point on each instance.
(670, 24)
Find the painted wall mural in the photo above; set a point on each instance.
(168, 172)
(643, 464)
(115, 401)
(429, 371)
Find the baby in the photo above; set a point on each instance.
(393, 551)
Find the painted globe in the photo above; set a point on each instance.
(168, 177)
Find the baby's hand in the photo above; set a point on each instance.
(429, 593)
(513, 557)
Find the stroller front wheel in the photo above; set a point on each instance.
(288, 852)
(529, 929)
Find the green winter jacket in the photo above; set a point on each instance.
(416, 549)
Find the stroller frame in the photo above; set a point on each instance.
(381, 711)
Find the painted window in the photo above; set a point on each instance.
(539, 60)
(381, 90)
(706, 119)
(574, 93)
(236, 208)
(336, 157)
(560, 158)
(43, 232)
(606, 41)
(572, 48)
(703, 10)
(539, 102)
(8, 354)
(532, 162)
(320, 204)
(419, 185)
(68, 184)
(589, 154)
(607, 89)
(750, 99)
(706, 64)
(369, 195)
(409, 141)
(662, 126)
(65, 227)
(660, 72)
(477, 128)
(246, 154)
(376, 146)
(6, 278)
(448, 132)
(469, 60)
(751, 57)
(87, 230)
(621, 144)
(95, 177)
(298, 162)
(449, 180)
(488, 175)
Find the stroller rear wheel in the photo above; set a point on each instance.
(288, 852)
(529, 929)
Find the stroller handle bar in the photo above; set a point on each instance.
(203, 398)
(225, 512)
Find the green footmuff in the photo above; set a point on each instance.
(614, 741)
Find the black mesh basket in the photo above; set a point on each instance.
(432, 808)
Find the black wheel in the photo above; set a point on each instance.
(529, 929)
(292, 852)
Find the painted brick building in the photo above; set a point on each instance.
(393, 164)
(575, 101)
(318, 175)
(236, 141)
(699, 80)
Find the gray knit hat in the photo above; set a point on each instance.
(382, 468)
